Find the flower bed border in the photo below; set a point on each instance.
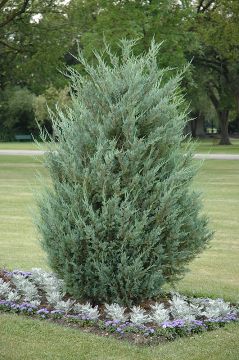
(139, 333)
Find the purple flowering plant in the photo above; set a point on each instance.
(24, 274)
(57, 314)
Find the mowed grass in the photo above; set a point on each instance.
(21, 145)
(203, 146)
(26, 339)
(214, 273)
(19, 247)
(210, 146)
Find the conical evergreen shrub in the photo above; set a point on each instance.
(119, 218)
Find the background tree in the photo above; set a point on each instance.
(133, 19)
(16, 111)
(32, 47)
(47, 102)
(38, 38)
(32, 43)
(216, 23)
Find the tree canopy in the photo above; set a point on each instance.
(38, 39)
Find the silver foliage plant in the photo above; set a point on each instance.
(28, 290)
(53, 297)
(159, 314)
(87, 311)
(139, 316)
(115, 312)
(7, 293)
(64, 306)
(213, 308)
(39, 277)
(180, 309)
(52, 286)
(47, 282)
(216, 309)
(14, 296)
(4, 289)
(114, 221)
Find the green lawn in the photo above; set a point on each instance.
(214, 273)
(29, 145)
(202, 146)
(18, 240)
(26, 339)
(211, 146)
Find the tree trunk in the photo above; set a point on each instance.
(197, 125)
(200, 132)
(223, 117)
(193, 125)
(223, 121)
(237, 125)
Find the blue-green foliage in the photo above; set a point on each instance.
(119, 219)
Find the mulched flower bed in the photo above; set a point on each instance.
(29, 293)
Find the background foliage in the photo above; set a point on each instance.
(38, 38)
